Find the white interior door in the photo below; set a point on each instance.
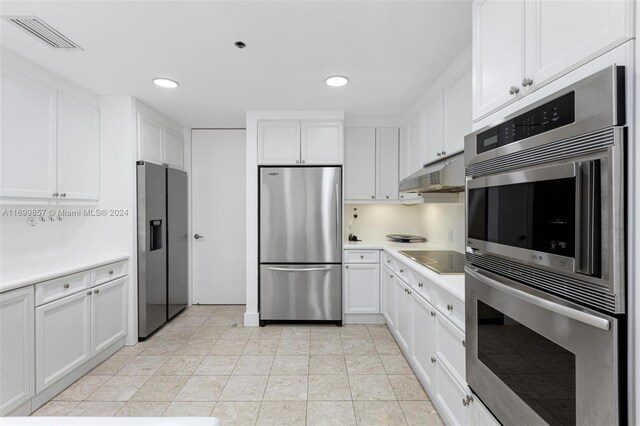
(218, 197)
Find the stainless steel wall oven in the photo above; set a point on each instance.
(545, 274)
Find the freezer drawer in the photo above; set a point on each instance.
(310, 292)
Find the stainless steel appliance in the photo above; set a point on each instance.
(162, 245)
(545, 275)
(300, 244)
(443, 262)
(445, 176)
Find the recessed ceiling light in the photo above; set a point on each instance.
(336, 80)
(165, 82)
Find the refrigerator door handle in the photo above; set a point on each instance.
(271, 268)
(338, 217)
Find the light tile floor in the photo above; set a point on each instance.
(204, 363)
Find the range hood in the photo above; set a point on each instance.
(446, 176)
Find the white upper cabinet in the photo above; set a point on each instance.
(433, 132)
(360, 163)
(159, 143)
(519, 46)
(173, 148)
(387, 151)
(498, 40)
(457, 113)
(321, 143)
(294, 142)
(28, 151)
(415, 143)
(279, 142)
(560, 34)
(78, 149)
(50, 143)
(150, 139)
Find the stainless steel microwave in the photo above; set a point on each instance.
(545, 193)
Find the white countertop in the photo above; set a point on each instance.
(453, 284)
(23, 273)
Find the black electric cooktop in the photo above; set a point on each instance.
(444, 262)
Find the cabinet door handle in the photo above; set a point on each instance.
(467, 400)
(444, 152)
(513, 90)
(96, 291)
(89, 293)
(63, 194)
(433, 314)
(387, 197)
(297, 161)
(388, 260)
(346, 266)
(527, 82)
(66, 286)
(402, 271)
(420, 285)
(433, 360)
(390, 276)
(361, 256)
(464, 344)
(373, 196)
(449, 307)
(110, 272)
(438, 154)
(55, 194)
(302, 161)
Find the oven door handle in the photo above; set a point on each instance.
(566, 311)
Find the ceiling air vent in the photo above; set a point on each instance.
(43, 32)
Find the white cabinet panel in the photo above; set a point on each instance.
(433, 132)
(415, 141)
(321, 143)
(387, 280)
(78, 149)
(498, 43)
(450, 396)
(387, 163)
(360, 163)
(54, 289)
(361, 256)
(108, 314)
(278, 142)
(457, 113)
(403, 314)
(423, 323)
(62, 337)
(481, 415)
(450, 346)
(150, 139)
(362, 289)
(17, 348)
(561, 34)
(173, 149)
(28, 150)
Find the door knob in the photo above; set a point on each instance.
(198, 236)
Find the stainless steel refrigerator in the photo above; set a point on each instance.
(300, 244)
(162, 245)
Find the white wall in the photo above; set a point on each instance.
(443, 224)
(375, 221)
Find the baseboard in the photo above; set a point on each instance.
(21, 410)
(363, 319)
(47, 394)
(251, 319)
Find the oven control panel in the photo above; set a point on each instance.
(556, 113)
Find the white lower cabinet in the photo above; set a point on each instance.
(387, 281)
(452, 399)
(361, 288)
(403, 314)
(450, 347)
(16, 356)
(423, 348)
(62, 337)
(481, 415)
(108, 314)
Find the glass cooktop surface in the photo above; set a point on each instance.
(444, 262)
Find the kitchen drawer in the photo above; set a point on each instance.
(451, 307)
(403, 271)
(450, 346)
(49, 291)
(422, 286)
(109, 272)
(361, 256)
(388, 261)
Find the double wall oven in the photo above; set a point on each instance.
(545, 273)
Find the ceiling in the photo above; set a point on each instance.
(391, 50)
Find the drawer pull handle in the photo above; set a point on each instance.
(390, 276)
(66, 286)
(97, 290)
(361, 257)
(433, 360)
(420, 285)
(89, 293)
(449, 307)
(402, 271)
(433, 314)
(466, 401)
(110, 272)
(347, 266)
